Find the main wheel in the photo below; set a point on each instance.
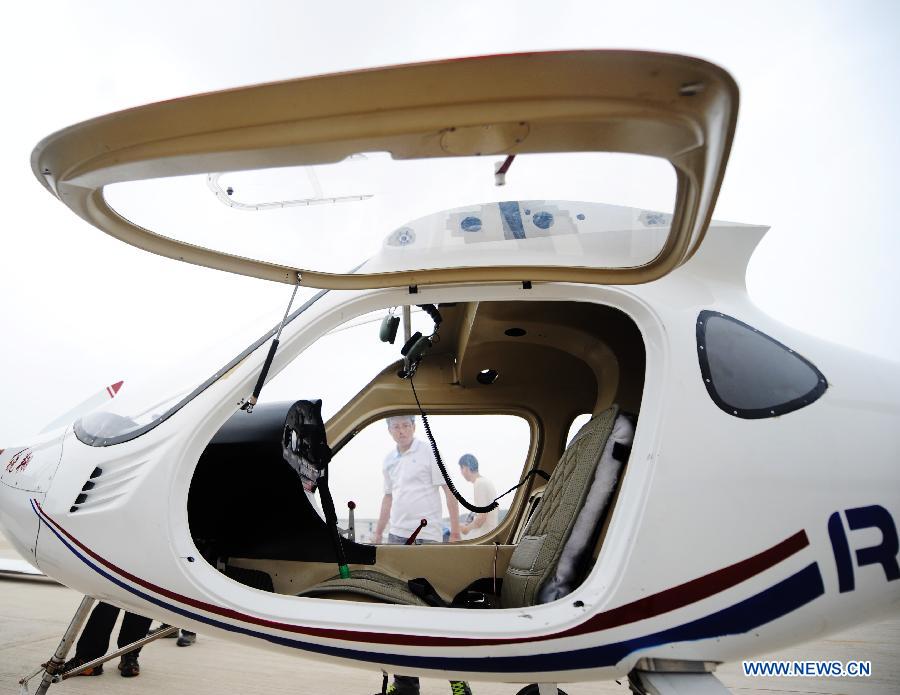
(533, 689)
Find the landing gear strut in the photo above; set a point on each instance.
(52, 669)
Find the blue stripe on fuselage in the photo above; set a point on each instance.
(775, 602)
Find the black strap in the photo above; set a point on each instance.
(422, 588)
(331, 518)
(621, 452)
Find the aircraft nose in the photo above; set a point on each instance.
(18, 520)
(26, 473)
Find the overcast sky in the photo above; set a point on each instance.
(816, 157)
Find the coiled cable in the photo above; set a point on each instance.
(437, 457)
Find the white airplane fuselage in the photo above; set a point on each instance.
(730, 536)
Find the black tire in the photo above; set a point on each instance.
(533, 689)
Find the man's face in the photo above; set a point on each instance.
(402, 432)
(467, 473)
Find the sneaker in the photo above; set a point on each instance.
(186, 639)
(460, 688)
(129, 665)
(77, 661)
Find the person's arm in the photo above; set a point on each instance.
(383, 517)
(453, 510)
(482, 499)
(477, 522)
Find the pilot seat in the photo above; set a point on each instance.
(545, 563)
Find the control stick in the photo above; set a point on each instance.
(412, 539)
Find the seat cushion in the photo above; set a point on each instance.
(566, 577)
(371, 583)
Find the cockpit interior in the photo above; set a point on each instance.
(546, 364)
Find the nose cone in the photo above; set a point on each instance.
(26, 473)
(18, 521)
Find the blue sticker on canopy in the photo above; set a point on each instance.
(543, 220)
(654, 219)
(471, 224)
(512, 220)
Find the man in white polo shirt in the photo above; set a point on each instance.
(412, 483)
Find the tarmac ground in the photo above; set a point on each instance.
(35, 612)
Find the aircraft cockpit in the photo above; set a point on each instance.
(508, 382)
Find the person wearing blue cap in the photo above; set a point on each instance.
(485, 493)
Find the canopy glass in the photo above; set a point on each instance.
(553, 209)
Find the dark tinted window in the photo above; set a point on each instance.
(750, 375)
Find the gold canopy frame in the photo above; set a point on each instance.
(678, 108)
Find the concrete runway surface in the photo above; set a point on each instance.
(35, 612)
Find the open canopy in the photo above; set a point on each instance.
(269, 180)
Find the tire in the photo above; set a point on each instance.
(532, 689)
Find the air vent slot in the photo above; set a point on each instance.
(116, 481)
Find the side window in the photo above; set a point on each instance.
(493, 450)
(750, 375)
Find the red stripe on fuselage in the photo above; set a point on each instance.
(648, 607)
